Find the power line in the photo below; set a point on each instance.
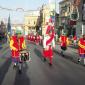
(17, 9)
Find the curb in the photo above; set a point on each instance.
(67, 56)
(71, 46)
(70, 56)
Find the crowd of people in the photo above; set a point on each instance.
(35, 38)
(17, 43)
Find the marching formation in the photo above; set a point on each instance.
(18, 43)
(35, 38)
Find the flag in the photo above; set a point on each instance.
(9, 25)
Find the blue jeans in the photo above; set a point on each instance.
(15, 60)
(82, 55)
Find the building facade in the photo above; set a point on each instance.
(32, 22)
(81, 21)
(48, 11)
(45, 17)
(66, 16)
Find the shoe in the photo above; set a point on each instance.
(20, 71)
(62, 53)
(50, 64)
(44, 59)
(14, 66)
(79, 60)
(84, 61)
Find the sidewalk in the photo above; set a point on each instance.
(71, 45)
(70, 53)
(4, 46)
(3, 50)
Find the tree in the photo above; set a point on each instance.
(9, 25)
(2, 30)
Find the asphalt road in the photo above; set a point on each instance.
(38, 72)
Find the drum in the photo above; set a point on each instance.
(24, 55)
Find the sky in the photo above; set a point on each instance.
(18, 16)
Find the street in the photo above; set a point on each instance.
(51, 28)
(38, 72)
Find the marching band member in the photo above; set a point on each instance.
(37, 39)
(14, 48)
(64, 42)
(28, 37)
(17, 43)
(81, 50)
(75, 40)
(49, 43)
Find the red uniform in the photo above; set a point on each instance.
(33, 38)
(49, 43)
(21, 41)
(37, 39)
(16, 44)
(49, 27)
(75, 38)
(41, 39)
(63, 40)
(28, 37)
(81, 44)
